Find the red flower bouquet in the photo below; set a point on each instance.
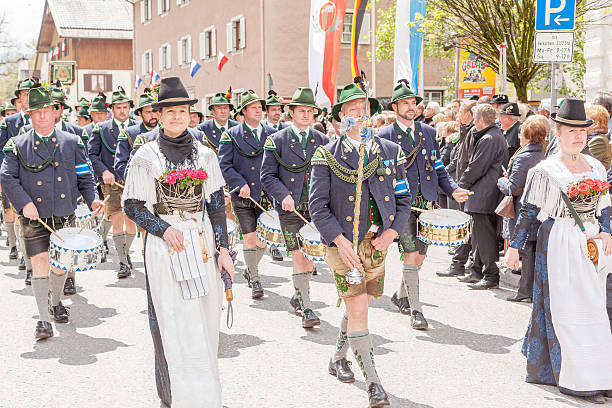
(587, 188)
(184, 178)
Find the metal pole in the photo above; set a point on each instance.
(553, 88)
(373, 42)
(457, 61)
(505, 62)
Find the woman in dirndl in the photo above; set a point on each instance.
(568, 341)
(174, 190)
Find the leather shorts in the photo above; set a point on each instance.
(36, 236)
(409, 239)
(291, 225)
(247, 214)
(113, 205)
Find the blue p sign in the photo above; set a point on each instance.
(555, 15)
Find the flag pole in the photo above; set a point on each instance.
(373, 42)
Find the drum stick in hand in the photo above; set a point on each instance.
(92, 216)
(51, 230)
(305, 220)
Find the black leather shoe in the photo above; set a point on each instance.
(21, 266)
(28, 279)
(452, 251)
(519, 298)
(59, 313)
(608, 394)
(276, 254)
(295, 304)
(403, 305)
(378, 396)
(483, 285)
(43, 330)
(310, 319)
(341, 370)
(596, 399)
(450, 272)
(257, 290)
(469, 279)
(417, 321)
(516, 271)
(69, 287)
(13, 253)
(314, 271)
(124, 271)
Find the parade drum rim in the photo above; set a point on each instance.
(451, 230)
(83, 216)
(84, 258)
(313, 249)
(270, 233)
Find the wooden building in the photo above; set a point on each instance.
(88, 44)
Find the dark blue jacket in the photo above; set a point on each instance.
(275, 178)
(66, 127)
(526, 159)
(332, 200)
(102, 147)
(279, 126)
(212, 133)
(124, 147)
(10, 127)
(56, 188)
(417, 174)
(237, 168)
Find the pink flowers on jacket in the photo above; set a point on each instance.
(185, 177)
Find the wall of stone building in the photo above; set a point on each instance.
(597, 53)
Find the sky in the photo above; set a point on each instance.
(24, 18)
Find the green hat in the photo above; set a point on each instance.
(98, 104)
(25, 85)
(273, 100)
(193, 109)
(10, 106)
(146, 99)
(82, 102)
(304, 97)
(59, 97)
(39, 98)
(247, 98)
(350, 93)
(119, 96)
(84, 112)
(402, 91)
(220, 98)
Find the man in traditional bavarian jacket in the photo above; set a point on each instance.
(220, 107)
(384, 211)
(240, 157)
(125, 143)
(285, 174)
(10, 127)
(274, 110)
(102, 148)
(426, 175)
(43, 174)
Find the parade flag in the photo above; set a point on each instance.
(194, 68)
(325, 36)
(408, 42)
(137, 81)
(221, 61)
(63, 47)
(359, 7)
(270, 82)
(154, 78)
(56, 52)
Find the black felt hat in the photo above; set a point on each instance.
(172, 93)
(501, 99)
(572, 114)
(511, 109)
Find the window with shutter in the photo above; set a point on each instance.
(207, 44)
(143, 63)
(142, 11)
(161, 59)
(160, 6)
(149, 13)
(228, 37)
(241, 34)
(213, 42)
(203, 45)
(166, 6)
(108, 82)
(168, 56)
(87, 82)
(179, 52)
(188, 47)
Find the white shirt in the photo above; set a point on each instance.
(405, 128)
(297, 131)
(357, 143)
(259, 130)
(226, 126)
(126, 123)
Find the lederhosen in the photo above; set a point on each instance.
(113, 205)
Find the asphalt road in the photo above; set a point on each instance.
(470, 356)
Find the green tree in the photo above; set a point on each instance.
(480, 27)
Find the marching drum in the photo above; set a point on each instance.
(78, 251)
(310, 243)
(269, 230)
(82, 214)
(445, 228)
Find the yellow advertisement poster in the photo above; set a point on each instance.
(476, 78)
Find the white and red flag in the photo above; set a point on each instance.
(221, 61)
(326, 24)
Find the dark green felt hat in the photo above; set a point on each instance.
(247, 98)
(25, 85)
(82, 102)
(119, 96)
(146, 99)
(220, 98)
(273, 100)
(402, 91)
(39, 98)
(98, 104)
(304, 97)
(350, 93)
(84, 112)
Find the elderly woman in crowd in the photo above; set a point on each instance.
(568, 342)
(531, 152)
(598, 142)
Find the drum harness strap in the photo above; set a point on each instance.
(215, 148)
(242, 152)
(294, 168)
(348, 175)
(38, 167)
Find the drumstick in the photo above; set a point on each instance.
(51, 230)
(118, 185)
(305, 220)
(427, 212)
(92, 216)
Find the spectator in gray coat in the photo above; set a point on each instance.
(532, 135)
